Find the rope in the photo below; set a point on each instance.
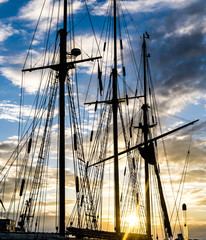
(30, 46)
(182, 180)
(92, 26)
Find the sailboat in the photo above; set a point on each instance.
(111, 131)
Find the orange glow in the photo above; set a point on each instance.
(132, 220)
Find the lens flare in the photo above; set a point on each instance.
(132, 220)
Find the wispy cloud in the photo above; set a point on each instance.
(10, 111)
(31, 84)
(142, 6)
(6, 31)
(31, 11)
(3, 1)
(47, 15)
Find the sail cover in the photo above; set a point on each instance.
(148, 153)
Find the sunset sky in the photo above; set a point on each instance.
(177, 46)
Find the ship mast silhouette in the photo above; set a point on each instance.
(145, 130)
(115, 128)
(145, 147)
(62, 68)
(62, 77)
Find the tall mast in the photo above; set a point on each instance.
(145, 131)
(115, 130)
(63, 67)
(62, 77)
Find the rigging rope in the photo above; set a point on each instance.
(182, 181)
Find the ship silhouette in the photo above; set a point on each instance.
(110, 129)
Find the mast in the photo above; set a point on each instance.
(62, 76)
(145, 130)
(62, 68)
(115, 130)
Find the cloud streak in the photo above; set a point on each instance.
(6, 31)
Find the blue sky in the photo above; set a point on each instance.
(178, 65)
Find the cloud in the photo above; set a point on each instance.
(32, 9)
(6, 31)
(178, 49)
(17, 59)
(142, 6)
(202, 202)
(9, 111)
(46, 14)
(6, 146)
(3, 1)
(196, 175)
(32, 82)
(154, 5)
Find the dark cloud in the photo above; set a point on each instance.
(178, 48)
(200, 129)
(6, 150)
(177, 149)
(7, 146)
(195, 230)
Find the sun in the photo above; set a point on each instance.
(132, 220)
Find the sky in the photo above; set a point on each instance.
(177, 46)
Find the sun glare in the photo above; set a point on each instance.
(132, 220)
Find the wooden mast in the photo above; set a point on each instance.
(62, 77)
(115, 129)
(145, 130)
